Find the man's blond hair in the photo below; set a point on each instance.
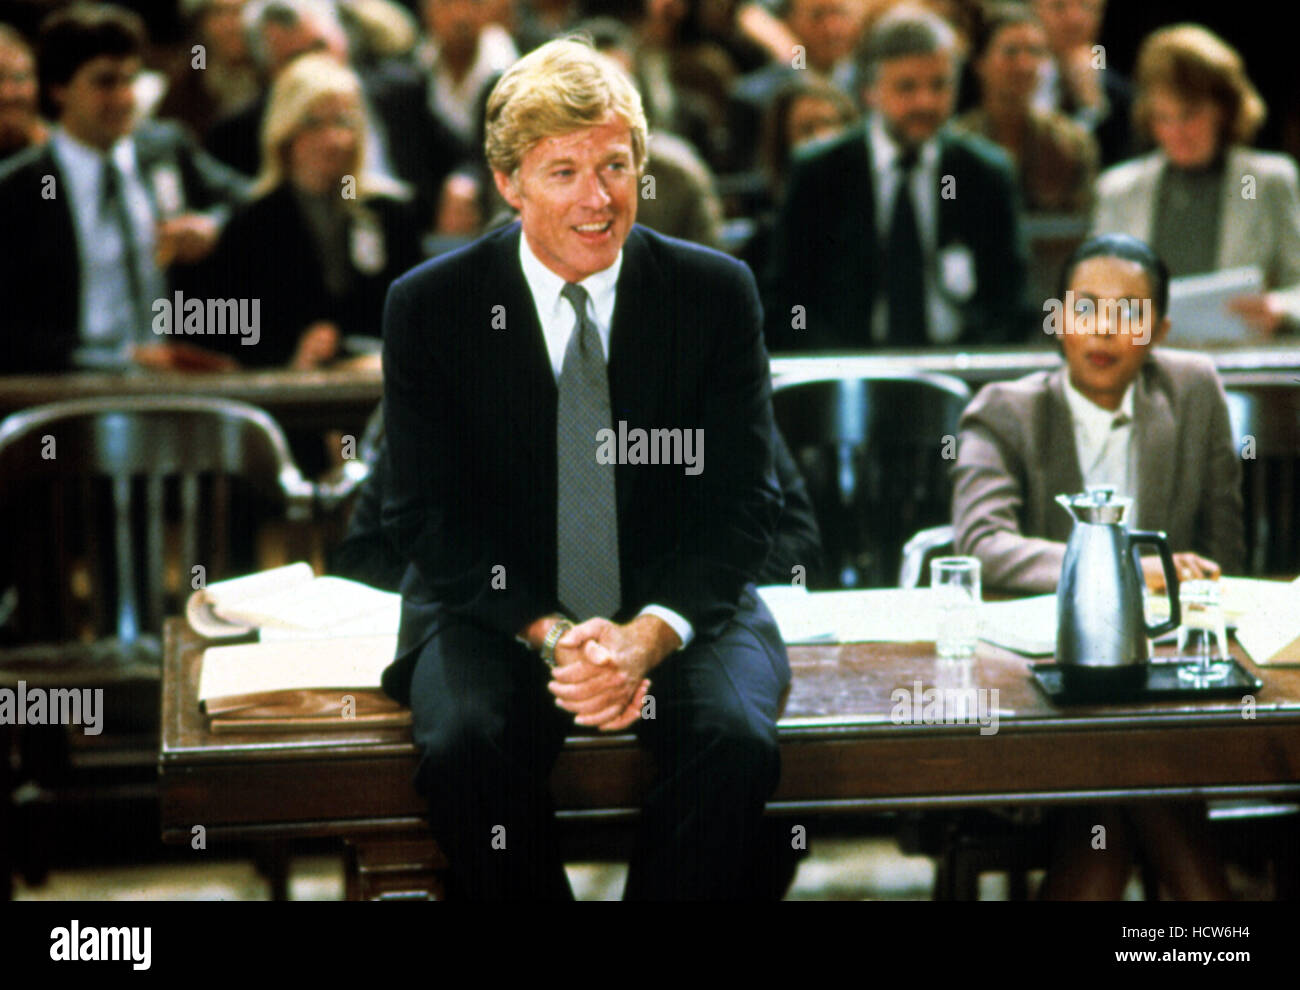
(561, 87)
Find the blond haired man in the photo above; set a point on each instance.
(550, 391)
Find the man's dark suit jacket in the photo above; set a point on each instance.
(40, 277)
(368, 555)
(826, 252)
(267, 252)
(470, 413)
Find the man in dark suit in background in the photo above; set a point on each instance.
(510, 366)
(854, 263)
(106, 217)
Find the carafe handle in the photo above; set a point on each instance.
(1161, 543)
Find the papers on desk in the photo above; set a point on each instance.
(1269, 630)
(1266, 615)
(875, 615)
(297, 684)
(324, 642)
(1025, 625)
(1198, 309)
(292, 603)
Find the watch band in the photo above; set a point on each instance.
(553, 636)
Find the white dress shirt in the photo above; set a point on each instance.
(558, 321)
(943, 317)
(108, 324)
(457, 103)
(1104, 442)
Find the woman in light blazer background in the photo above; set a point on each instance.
(1203, 199)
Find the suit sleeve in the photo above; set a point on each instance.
(988, 493)
(212, 185)
(1221, 530)
(1006, 315)
(1285, 268)
(786, 278)
(798, 540)
(422, 506)
(732, 512)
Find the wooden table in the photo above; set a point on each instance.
(840, 753)
(343, 397)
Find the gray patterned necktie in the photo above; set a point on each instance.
(587, 578)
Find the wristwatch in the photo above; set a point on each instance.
(552, 637)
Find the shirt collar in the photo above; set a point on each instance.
(78, 154)
(884, 149)
(546, 285)
(1092, 417)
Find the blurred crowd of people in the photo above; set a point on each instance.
(874, 161)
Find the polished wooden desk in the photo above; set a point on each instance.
(840, 753)
(339, 397)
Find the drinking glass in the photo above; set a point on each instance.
(1202, 636)
(956, 585)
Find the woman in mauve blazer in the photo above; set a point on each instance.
(1017, 452)
(1196, 103)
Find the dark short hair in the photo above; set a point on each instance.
(1128, 248)
(606, 33)
(994, 19)
(74, 36)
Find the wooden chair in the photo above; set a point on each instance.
(937, 541)
(115, 510)
(875, 452)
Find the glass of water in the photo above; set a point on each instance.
(1202, 636)
(956, 585)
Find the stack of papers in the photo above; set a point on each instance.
(876, 615)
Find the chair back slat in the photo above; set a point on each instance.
(189, 535)
(155, 608)
(128, 600)
(219, 522)
(108, 478)
(86, 499)
(871, 449)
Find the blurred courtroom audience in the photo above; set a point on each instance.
(1056, 158)
(108, 216)
(536, 22)
(322, 236)
(1080, 81)
(20, 121)
(461, 53)
(827, 32)
(220, 79)
(902, 232)
(1204, 199)
(756, 148)
(805, 110)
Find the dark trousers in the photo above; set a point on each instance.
(489, 732)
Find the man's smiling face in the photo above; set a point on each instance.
(576, 197)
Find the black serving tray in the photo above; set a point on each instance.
(1161, 683)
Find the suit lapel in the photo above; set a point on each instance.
(639, 344)
(529, 382)
(1144, 201)
(1155, 433)
(860, 186)
(1062, 458)
(65, 259)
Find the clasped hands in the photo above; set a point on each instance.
(601, 667)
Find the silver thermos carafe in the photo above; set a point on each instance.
(1101, 628)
